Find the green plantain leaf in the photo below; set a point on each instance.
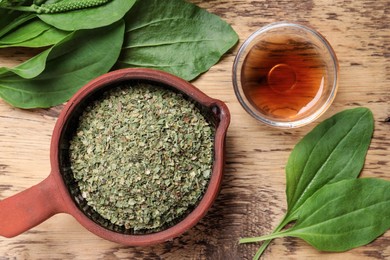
(177, 37)
(89, 18)
(34, 33)
(28, 69)
(9, 20)
(333, 151)
(344, 215)
(30, 30)
(79, 58)
(9, 17)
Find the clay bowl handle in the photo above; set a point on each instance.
(29, 208)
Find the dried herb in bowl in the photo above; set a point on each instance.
(142, 156)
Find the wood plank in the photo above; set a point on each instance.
(252, 198)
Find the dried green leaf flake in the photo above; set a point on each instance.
(142, 156)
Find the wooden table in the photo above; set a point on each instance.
(252, 199)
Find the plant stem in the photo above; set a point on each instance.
(265, 244)
(21, 8)
(262, 238)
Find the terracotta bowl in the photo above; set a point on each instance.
(56, 193)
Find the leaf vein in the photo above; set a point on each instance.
(165, 43)
(327, 159)
(155, 22)
(343, 215)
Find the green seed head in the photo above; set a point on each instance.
(66, 7)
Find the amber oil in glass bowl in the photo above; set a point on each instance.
(285, 75)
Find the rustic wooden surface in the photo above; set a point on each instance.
(252, 199)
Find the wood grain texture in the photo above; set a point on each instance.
(252, 198)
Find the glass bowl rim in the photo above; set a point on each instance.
(241, 55)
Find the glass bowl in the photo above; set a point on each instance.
(285, 75)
